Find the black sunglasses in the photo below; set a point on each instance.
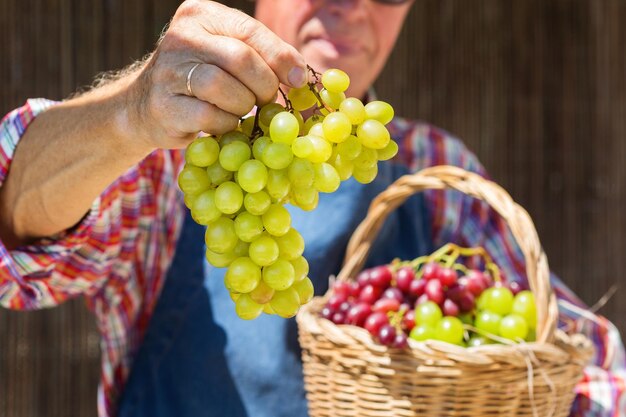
(392, 2)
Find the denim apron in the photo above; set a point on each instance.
(198, 359)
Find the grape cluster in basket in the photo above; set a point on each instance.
(237, 184)
(435, 297)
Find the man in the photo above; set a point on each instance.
(91, 207)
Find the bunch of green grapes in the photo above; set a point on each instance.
(237, 185)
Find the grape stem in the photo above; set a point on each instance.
(256, 129)
(313, 87)
(448, 255)
(288, 105)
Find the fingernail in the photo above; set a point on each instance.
(297, 77)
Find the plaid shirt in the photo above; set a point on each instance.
(118, 256)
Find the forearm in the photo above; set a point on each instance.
(66, 158)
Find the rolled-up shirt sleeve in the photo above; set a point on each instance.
(51, 270)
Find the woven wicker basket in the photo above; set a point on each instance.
(347, 373)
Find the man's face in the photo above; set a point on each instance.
(356, 36)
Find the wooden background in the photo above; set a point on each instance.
(537, 88)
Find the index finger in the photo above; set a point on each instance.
(286, 62)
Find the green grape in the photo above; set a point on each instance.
(488, 322)
(217, 174)
(193, 180)
(301, 98)
(317, 130)
(306, 196)
(336, 127)
(264, 250)
(466, 318)
(531, 336)
(267, 309)
(248, 226)
(365, 176)
(203, 209)
(228, 197)
(449, 329)
(277, 220)
(262, 293)
(234, 154)
(308, 205)
(220, 236)
(422, 332)
(243, 275)
(277, 155)
(500, 301)
(252, 176)
(278, 184)
(291, 245)
(257, 203)
(344, 167)
(189, 199)
(351, 148)
(285, 303)
(203, 151)
(481, 302)
(314, 119)
(280, 275)
(379, 110)
(300, 267)
(284, 128)
(354, 109)
(476, 341)
(300, 120)
(259, 145)
(305, 290)
(267, 113)
(428, 313)
(326, 178)
(247, 126)
(513, 327)
(335, 80)
(388, 151)
(220, 260)
(322, 149)
(301, 173)
(332, 100)
(524, 305)
(373, 134)
(246, 308)
(233, 295)
(302, 147)
(241, 248)
(367, 158)
(233, 136)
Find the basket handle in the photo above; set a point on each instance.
(443, 177)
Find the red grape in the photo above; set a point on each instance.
(404, 278)
(393, 293)
(341, 287)
(387, 334)
(336, 300)
(417, 287)
(386, 304)
(380, 277)
(339, 318)
(447, 276)
(434, 291)
(408, 321)
(363, 278)
(327, 313)
(450, 308)
(358, 313)
(369, 294)
(401, 341)
(430, 271)
(375, 321)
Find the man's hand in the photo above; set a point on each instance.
(241, 63)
